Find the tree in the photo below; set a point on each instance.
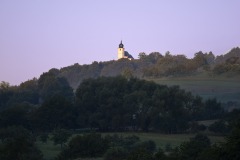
(200, 59)
(60, 136)
(218, 127)
(50, 84)
(154, 56)
(210, 58)
(114, 103)
(18, 115)
(146, 145)
(215, 152)
(128, 147)
(195, 127)
(232, 146)
(168, 54)
(55, 112)
(18, 143)
(116, 153)
(234, 52)
(44, 137)
(160, 155)
(233, 119)
(142, 55)
(140, 154)
(127, 73)
(4, 85)
(193, 148)
(128, 142)
(213, 109)
(87, 145)
(26, 92)
(6, 92)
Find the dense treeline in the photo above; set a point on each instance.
(131, 148)
(118, 103)
(156, 64)
(48, 105)
(19, 143)
(106, 104)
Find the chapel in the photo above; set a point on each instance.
(122, 53)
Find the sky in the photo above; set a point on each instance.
(37, 35)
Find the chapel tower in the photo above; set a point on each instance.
(121, 51)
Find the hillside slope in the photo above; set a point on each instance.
(205, 74)
(223, 88)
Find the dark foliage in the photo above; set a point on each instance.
(50, 84)
(110, 147)
(118, 104)
(111, 104)
(55, 112)
(192, 149)
(87, 145)
(219, 126)
(60, 136)
(18, 143)
(140, 154)
(17, 115)
(116, 153)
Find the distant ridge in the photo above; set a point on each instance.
(154, 65)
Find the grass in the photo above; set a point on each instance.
(162, 140)
(50, 151)
(207, 122)
(224, 89)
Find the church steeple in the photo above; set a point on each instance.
(122, 53)
(121, 45)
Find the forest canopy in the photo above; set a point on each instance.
(106, 104)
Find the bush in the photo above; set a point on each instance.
(218, 127)
(149, 146)
(140, 154)
(60, 136)
(87, 145)
(115, 153)
(17, 143)
(44, 137)
(160, 155)
(168, 147)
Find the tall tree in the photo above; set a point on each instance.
(50, 84)
(55, 112)
(18, 143)
(60, 136)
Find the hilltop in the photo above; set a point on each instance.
(155, 66)
(205, 74)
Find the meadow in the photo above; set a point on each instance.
(50, 150)
(224, 89)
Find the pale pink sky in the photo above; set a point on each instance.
(37, 35)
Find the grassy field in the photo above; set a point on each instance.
(162, 140)
(50, 150)
(223, 88)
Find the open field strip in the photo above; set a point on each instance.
(50, 150)
(222, 88)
